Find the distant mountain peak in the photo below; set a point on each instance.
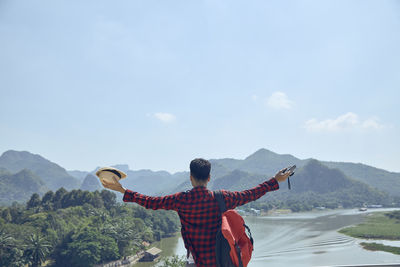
(19, 155)
(262, 152)
(14, 156)
(315, 162)
(268, 156)
(122, 167)
(51, 173)
(91, 183)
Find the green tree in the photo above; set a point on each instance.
(99, 216)
(148, 234)
(37, 249)
(80, 234)
(109, 198)
(174, 261)
(10, 254)
(86, 248)
(48, 197)
(6, 215)
(125, 235)
(58, 197)
(54, 222)
(7, 243)
(97, 201)
(34, 201)
(47, 200)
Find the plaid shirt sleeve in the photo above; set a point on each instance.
(170, 202)
(238, 198)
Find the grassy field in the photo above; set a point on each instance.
(376, 226)
(383, 225)
(380, 247)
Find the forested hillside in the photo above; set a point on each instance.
(52, 174)
(265, 163)
(329, 183)
(313, 185)
(19, 186)
(316, 185)
(381, 179)
(77, 228)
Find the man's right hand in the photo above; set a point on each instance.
(281, 176)
(116, 186)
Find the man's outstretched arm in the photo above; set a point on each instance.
(238, 198)
(167, 202)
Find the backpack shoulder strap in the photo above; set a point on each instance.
(221, 201)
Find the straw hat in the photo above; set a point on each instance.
(109, 174)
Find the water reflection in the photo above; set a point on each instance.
(302, 239)
(311, 239)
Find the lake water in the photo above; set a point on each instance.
(301, 239)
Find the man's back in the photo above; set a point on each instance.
(199, 214)
(200, 220)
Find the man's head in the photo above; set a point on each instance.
(200, 171)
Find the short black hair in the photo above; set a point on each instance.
(200, 169)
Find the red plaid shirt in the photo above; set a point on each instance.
(199, 214)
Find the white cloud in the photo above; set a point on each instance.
(164, 117)
(348, 121)
(279, 100)
(372, 123)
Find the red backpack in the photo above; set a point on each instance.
(233, 247)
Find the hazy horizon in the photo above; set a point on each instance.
(187, 170)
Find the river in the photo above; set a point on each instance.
(301, 239)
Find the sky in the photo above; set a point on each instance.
(154, 84)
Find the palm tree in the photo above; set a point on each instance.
(36, 250)
(10, 250)
(7, 242)
(123, 233)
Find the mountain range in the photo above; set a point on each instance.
(52, 174)
(265, 162)
(19, 186)
(21, 168)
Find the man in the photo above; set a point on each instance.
(197, 208)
